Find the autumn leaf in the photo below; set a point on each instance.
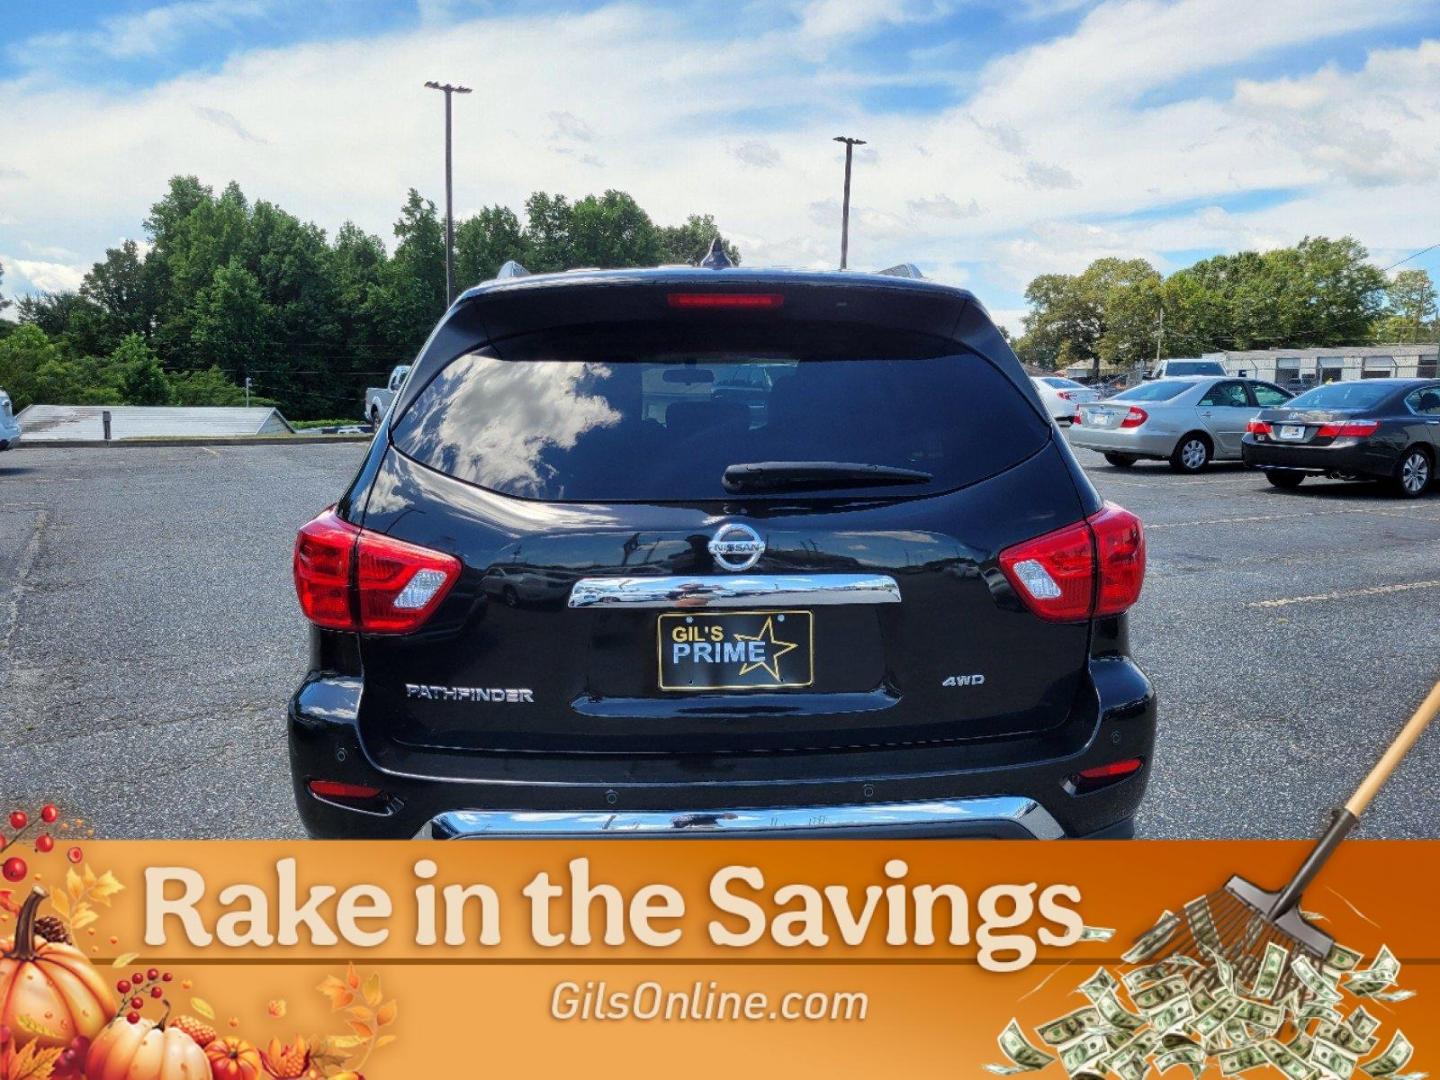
(384, 1040)
(59, 901)
(386, 1013)
(73, 885)
(339, 994)
(124, 959)
(35, 1027)
(342, 1043)
(352, 977)
(360, 1012)
(372, 989)
(84, 915)
(203, 1007)
(33, 1063)
(365, 1031)
(105, 887)
(88, 876)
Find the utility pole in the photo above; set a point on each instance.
(850, 145)
(449, 89)
(247, 391)
(1159, 335)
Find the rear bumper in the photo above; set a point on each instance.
(1351, 456)
(1134, 441)
(999, 788)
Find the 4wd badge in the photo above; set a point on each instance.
(964, 680)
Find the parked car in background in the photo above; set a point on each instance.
(874, 596)
(1188, 422)
(9, 424)
(1062, 396)
(378, 398)
(1183, 368)
(1371, 429)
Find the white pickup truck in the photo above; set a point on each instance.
(378, 398)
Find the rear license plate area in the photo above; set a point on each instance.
(736, 650)
(1290, 432)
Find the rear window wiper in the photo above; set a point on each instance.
(816, 476)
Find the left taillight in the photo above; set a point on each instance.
(349, 578)
(1094, 567)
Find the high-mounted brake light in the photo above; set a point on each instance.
(1355, 429)
(1259, 427)
(348, 578)
(1094, 567)
(730, 301)
(1135, 417)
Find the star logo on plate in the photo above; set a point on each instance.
(774, 650)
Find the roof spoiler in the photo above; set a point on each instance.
(905, 270)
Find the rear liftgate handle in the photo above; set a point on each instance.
(1348, 816)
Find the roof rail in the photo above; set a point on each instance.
(715, 258)
(909, 270)
(511, 269)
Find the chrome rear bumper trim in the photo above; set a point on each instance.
(734, 590)
(1011, 810)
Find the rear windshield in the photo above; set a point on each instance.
(1062, 384)
(621, 415)
(1163, 390)
(1194, 367)
(1343, 395)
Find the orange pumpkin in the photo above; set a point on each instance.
(145, 1051)
(50, 984)
(233, 1059)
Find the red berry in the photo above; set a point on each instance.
(137, 1003)
(123, 986)
(152, 974)
(49, 813)
(166, 977)
(19, 819)
(75, 854)
(44, 844)
(15, 869)
(133, 1017)
(138, 978)
(156, 992)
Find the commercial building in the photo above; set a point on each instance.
(1316, 366)
(66, 423)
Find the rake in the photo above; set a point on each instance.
(1239, 921)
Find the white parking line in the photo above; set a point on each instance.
(1150, 527)
(1345, 594)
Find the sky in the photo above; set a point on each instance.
(1005, 138)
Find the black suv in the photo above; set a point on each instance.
(581, 588)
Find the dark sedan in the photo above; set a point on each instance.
(1375, 429)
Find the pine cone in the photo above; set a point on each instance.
(201, 1032)
(52, 929)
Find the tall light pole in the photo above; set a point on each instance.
(449, 192)
(850, 145)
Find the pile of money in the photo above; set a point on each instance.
(1198, 1011)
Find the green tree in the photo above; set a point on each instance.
(142, 379)
(1411, 299)
(1106, 314)
(611, 230)
(689, 243)
(548, 223)
(123, 286)
(210, 386)
(78, 326)
(485, 242)
(230, 320)
(34, 370)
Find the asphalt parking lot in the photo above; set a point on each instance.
(149, 638)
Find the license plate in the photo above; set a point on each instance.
(736, 650)
(1293, 432)
(1103, 418)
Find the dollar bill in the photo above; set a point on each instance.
(1160, 994)
(1069, 1027)
(1191, 1056)
(1240, 1059)
(1380, 975)
(1287, 1061)
(1391, 996)
(1346, 1038)
(1333, 1059)
(1341, 958)
(1023, 1057)
(1083, 1052)
(1319, 987)
(1115, 1014)
(1143, 976)
(1302, 1044)
(1202, 923)
(1396, 1056)
(1097, 933)
(1213, 1019)
(1267, 1017)
(1153, 940)
(1099, 984)
(1361, 1022)
(1272, 966)
(1223, 971)
(1173, 1014)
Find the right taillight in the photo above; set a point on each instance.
(1134, 417)
(349, 578)
(1258, 427)
(1094, 567)
(1355, 429)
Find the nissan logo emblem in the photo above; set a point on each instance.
(736, 547)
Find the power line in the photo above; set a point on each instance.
(1407, 258)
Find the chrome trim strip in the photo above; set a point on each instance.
(734, 590)
(501, 824)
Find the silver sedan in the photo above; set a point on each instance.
(1187, 422)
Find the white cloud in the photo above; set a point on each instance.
(145, 33)
(48, 276)
(1055, 144)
